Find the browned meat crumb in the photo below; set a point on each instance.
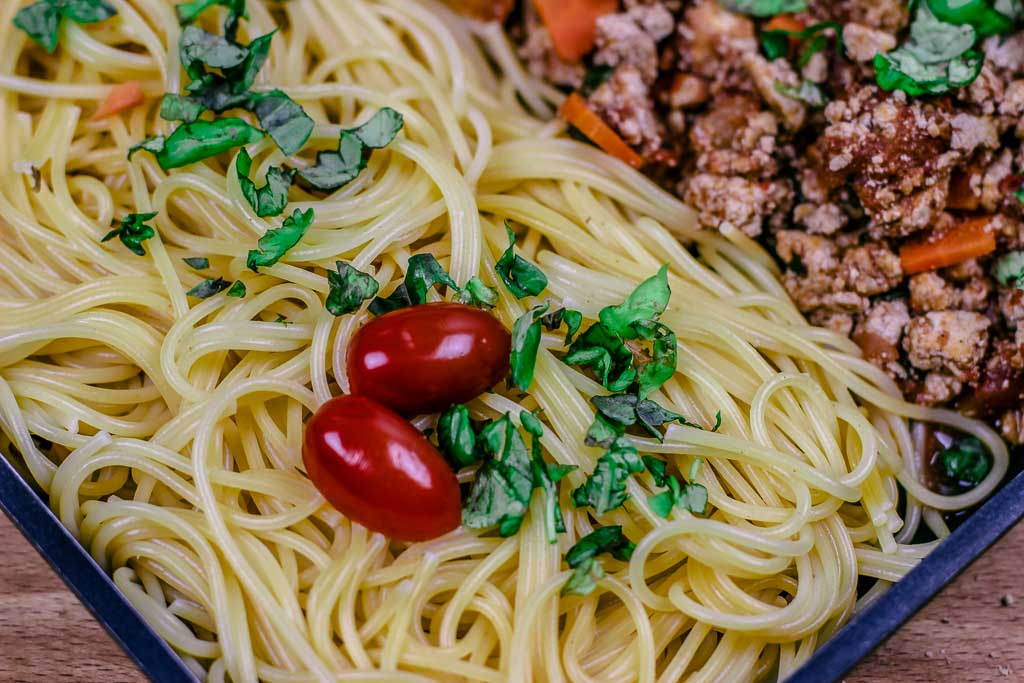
(735, 138)
(765, 75)
(938, 388)
(623, 102)
(1011, 425)
(870, 269)
(863, 42)
(743, 203)
(930, 292)
(631, 37)
(541, 61)
(887, 15)
(842, 323)
(950, 340)
(820, 219)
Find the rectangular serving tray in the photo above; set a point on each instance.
(857, 639)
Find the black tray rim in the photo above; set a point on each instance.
(840, 653)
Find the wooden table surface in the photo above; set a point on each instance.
(970, 633)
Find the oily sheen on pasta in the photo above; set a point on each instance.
(176, 424)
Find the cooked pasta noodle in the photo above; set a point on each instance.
(176, 425)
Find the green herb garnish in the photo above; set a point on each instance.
(237, 290)
(397, 299)
(807, 92)
(775, 42)
(500, 494)
(334, 169)
(476, 293)
(456, 437)
(764, 8)
(525, 344)
(192, 142)
(349, 288)
(572, 319)
(197, 262)
(966, 461)
(583, 558)
(545, 477)
(986, 19)
(208, 288)
(133, 231)
(937, 58)
(41, 20)
(283, 120)
(689, 496)
(277, 241)
(180, 108)
(425, 272)
(521, 277)
(1009, 269)
(605, 487)
(269, 199)
(189, 11)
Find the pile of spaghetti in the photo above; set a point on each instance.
(155, 377)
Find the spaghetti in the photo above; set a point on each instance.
(167, 430)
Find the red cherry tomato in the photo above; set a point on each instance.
(379, 470)
(425, 358)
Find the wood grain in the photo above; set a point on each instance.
(966, 635)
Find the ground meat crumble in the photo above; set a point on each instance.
(835, 191)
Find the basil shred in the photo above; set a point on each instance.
(349, 288)
(966, 462)
(764, 8)
(277, 241)
(335, 169)
(940, 53)
(133, 231)
(425, 272)
(269, 199)
(1009, 269)
(41, 20)
(582, 558)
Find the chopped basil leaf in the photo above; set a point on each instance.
(41, 20)
(807, 91)
(606, 354)
(397, 299)
(966, 461)
(198, 49)
(646, 302)
(602, 432)
(525, 344)
(500, 494)
(1009, 269)
(350, 287)
(593, 78)
(775, 42)
(272, 197)
(689, 496)
(282, 320)
(476, 293)
(573, 320)
(937, 57)
(583, 558)
(154, 145)
(380, 129)
(277, 241)
(521, 277)
(336, 169)
(180, 108)
(208, 288)
(237, 289)
(456, 437)
(718, 423)
(283, 120)
(192, 142)
(425, 272)
(662, 366)
(626, 410)
(197, 262)
(545, 477)
(133, 231)
(764, 8)
(985, 19)
(605, 488)
(189, 11)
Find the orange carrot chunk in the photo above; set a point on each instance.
(784, 22)
(576, 112)
(122, 96)
(968, 240)
(572, 24)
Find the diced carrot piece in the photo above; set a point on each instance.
(784, 22)
(573, 24)
(968, 240)
(122, 96)
(575, 111)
